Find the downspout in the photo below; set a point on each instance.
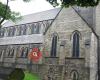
(98, 56)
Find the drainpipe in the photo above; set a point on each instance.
(98, 56)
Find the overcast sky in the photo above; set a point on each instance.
(27, 8)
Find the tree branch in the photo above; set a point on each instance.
(4, 14)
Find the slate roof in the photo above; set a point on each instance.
(88, 14)
(35, 17)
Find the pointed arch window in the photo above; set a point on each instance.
(24, 52)
(76, 47)
(35, 28)
(18, 31)
(2, 30)
(54, 45)
(32, 28)
(10, 52)
(11, 31)
(74, 75)
(0, 53)
(23, 29)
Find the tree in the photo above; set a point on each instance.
(82, 3)
(16, 74)
(6, 13)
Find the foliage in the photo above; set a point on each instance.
(17, 74)
(30, 76)
(6, 13)
(82, 3)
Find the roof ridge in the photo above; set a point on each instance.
(42, 11)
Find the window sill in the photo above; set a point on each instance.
(8, 57)
(51, 57)
(74, 58)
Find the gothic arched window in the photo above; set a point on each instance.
(10, 52)
(32, 28)
(23, 29)
(1, 53)
(18, 31)
(74, 75)
(24, 52)
(76, 44)
(35, 28)
(11, 31)
(2, 30)
(54, 45)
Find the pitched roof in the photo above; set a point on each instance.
(35, 17)
(88, 14)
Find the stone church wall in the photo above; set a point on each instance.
(63, 65)
(93, 58)
(64, 25)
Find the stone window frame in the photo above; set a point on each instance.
(11, 31)
(8, 32)
(35, 28)
(10, 52)
(24, 52)
(1, 53)
(18, 30)
(75, 55)
(38, 28)
(74, 74)
(54, 53)
(2, 32)
(23, 30)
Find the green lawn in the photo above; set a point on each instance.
(30, 76)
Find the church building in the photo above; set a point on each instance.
(64, 36)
